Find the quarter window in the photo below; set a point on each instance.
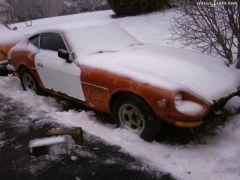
(52, 41)
(34, 40)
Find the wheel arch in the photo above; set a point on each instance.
(22, 66)
(118, 94)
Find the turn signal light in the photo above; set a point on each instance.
(162, 104)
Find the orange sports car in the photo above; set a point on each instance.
(8, 39)
(105, 68)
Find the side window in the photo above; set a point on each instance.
(34, 40)
(52, 41)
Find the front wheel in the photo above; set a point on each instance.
(134, 114)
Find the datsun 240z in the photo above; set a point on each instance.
(106, 69)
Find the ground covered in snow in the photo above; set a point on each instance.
(217, 157)
(21, 126)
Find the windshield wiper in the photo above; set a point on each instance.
(104, 51)
(140, 44)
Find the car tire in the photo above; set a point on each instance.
(28, 81)
(133, 113)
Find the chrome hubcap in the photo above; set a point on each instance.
(28, 82)
(131, 118)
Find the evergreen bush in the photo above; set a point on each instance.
(133, 7)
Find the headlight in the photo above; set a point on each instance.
(185, 106)
(178, 99)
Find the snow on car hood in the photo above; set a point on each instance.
(170, 68)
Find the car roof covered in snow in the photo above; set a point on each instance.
(93, 37)
(72, 26)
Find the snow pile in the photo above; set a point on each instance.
(56, 145)
(10, 87)
(233, 105)
(47, 141)
(210, 161)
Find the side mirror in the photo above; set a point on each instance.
(64, 55)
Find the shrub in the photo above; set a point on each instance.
(133, 7)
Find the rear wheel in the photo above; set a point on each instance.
(27, 80)
(133, 113)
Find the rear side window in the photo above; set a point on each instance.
(35, 40)
(52, 42)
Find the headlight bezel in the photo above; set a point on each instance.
(180, 99)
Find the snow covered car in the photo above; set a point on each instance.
(103, 67)
(8, 39)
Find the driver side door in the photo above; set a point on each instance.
(55, 73)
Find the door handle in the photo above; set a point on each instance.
(40, 65)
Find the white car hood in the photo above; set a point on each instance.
(173, 69)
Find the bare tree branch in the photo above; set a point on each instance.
(213, 28)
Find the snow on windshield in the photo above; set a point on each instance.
(107, 37)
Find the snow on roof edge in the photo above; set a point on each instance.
(61, 28)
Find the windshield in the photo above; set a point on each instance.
(101, 38)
